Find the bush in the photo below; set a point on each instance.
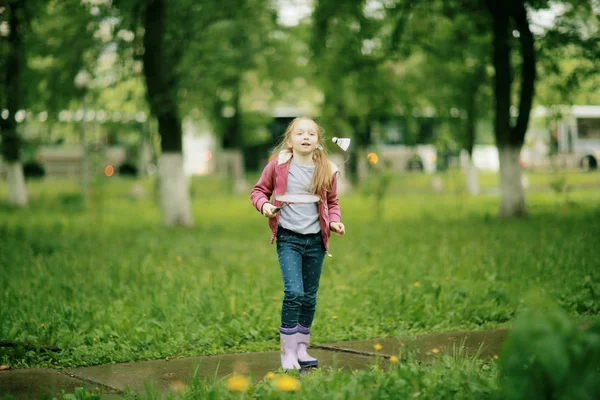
(33, 169)
(128, 169)
(547, 356)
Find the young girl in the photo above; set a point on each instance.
(302, 230)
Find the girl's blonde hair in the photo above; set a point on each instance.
(321, 179)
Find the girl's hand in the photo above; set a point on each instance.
(268, 210)
(338, 228)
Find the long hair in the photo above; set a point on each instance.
(321, 179)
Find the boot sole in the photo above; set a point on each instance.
(309, 364)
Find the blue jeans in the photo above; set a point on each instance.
(301, 260)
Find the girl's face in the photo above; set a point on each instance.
(304, 137)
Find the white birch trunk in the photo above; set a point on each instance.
(512, 202)
(174, 194)
(17, 191)
(472, 178)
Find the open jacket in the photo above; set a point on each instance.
(273, 182)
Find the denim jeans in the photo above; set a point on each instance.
(301, 260)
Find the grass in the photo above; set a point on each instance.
(110, 284)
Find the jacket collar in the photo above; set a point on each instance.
(286, 155)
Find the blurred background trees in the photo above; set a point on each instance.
(418, 73)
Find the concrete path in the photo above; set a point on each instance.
(115, 379)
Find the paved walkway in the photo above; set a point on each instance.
(114, 379)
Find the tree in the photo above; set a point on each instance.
(452, 73)
(219, 59)
(568, 53)
(510, 136)
(44, 47)
(12, 100)
(172, 37)
(158, 28)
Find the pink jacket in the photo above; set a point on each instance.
(273, 181)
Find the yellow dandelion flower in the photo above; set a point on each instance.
(496, 356)
(42, 326)
(178, 258)
(177, 386)
(95, 340)
(238, 383)
(393, 359)
(435, 350)
(287, 383)
(416, 284)
(377, 346)
(270, 375)
(334, 317)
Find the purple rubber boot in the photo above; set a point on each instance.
(303, 340)
(289, 357)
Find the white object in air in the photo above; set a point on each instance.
(344, 143)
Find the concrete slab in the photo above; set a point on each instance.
(484, 344)
(41, 383)
(174, 374)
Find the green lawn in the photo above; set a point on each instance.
(110, 284)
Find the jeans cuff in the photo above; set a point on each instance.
(288, 331)
(303, 329)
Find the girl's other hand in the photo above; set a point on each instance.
(268, 210)
(338, 228)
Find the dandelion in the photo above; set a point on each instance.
(495, 356)
(334, 317)
(238, 383)
(416, 284)
(42, 326)
(393, 359)
(377, 346)
(270, 375)
(287, 383)
(177, 386)
(95, 340)
(435, 350)
(178, 258)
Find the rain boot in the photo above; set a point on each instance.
(289, 357)
(304, 359)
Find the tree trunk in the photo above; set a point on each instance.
(17, 191)
(161, 87)
(512, 203)
(174, 194)
(472, 177)
(11, 143)
(527, 72)
(510, 139)
(471, 173)
(233, 126)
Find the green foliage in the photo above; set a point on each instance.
(377, 184)
(561, 187)
(452, 378)
(547, 355)
(568, 51)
